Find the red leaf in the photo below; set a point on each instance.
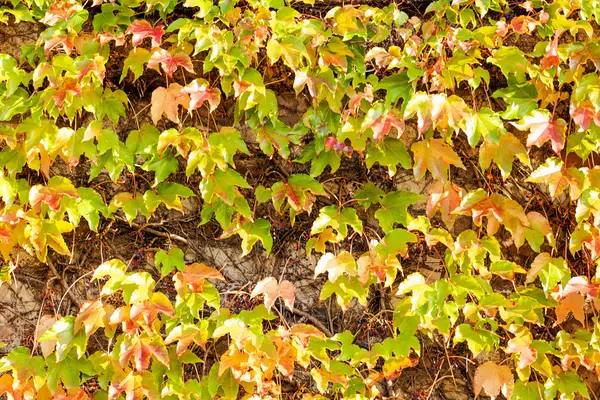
(169, 62)
(67, 42)
(583, 114)
(142, 29)
(199, 93)
(551, 58)
(543, 128)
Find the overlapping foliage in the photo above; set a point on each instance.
(369, 74)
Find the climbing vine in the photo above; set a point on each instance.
(439, 91)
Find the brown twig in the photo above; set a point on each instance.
(314, 321)
(54, 272)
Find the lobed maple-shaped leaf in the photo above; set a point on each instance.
(493, 379)
(91, 316)
(271, 290)
(589, 205)
(200, 92)
(573, 303)
(498, 210)
(371, 263)
(60, 11)
(339, 220)
(194, 276)
(394, 209)
(558, 178)
(435, 156)
(484, 122)
(502, 153)
(166, 101)
(170, 61)
(438, 111)
(521, 344)
(445, 198)
(586, 235)
(299, 190)
(583, 114)
(336, 266)
(381, 121)
(141, 29)
(542, 129)
(52, 194)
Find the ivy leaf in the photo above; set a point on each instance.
(389, 153)
(170, 61)
(135, 62)
(91, 317)
(194, 276)
(567, 383)
(141, 29)
(558, 178)
(271, 290)
(588, 204)
(336, 266)
(200, 92)
(338, 219)
(435, 156)
(397, 86)
(444, 197)
(166, 262)
(498, 210)
(511, 61)
(346, 289)
(539, 229)
(299, 190)
(166, 100)
(369, 194)
(503, 153)
(484, 122)
(251, 232)
(169, 193)
(493, 379)
(543, 129)
(572, 303)
(276, 136)
(394, 209)
(550, 270)
(318, 162)
(290, 48)
(223, 184)
(381, 121)
(520, 97)
(225, 144)
(395, 242)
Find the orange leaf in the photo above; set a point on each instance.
(493, 379)
(574, 303)
(271, 290)
(166, 101)
(436, 156)
(60, 11)
(445, 197)
(194, 275)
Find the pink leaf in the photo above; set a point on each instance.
(169, 62)
(142, 29)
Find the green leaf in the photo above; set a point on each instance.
(252, 232)
(135, 62)
(222, 184)
(369, 194)
(319, 161)
(338, 219)
(550, 270)
(520, 98)
(397, 86)
(511, 61)
(388, 153)
(395, 242)
(394, 209)
(166, 262)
